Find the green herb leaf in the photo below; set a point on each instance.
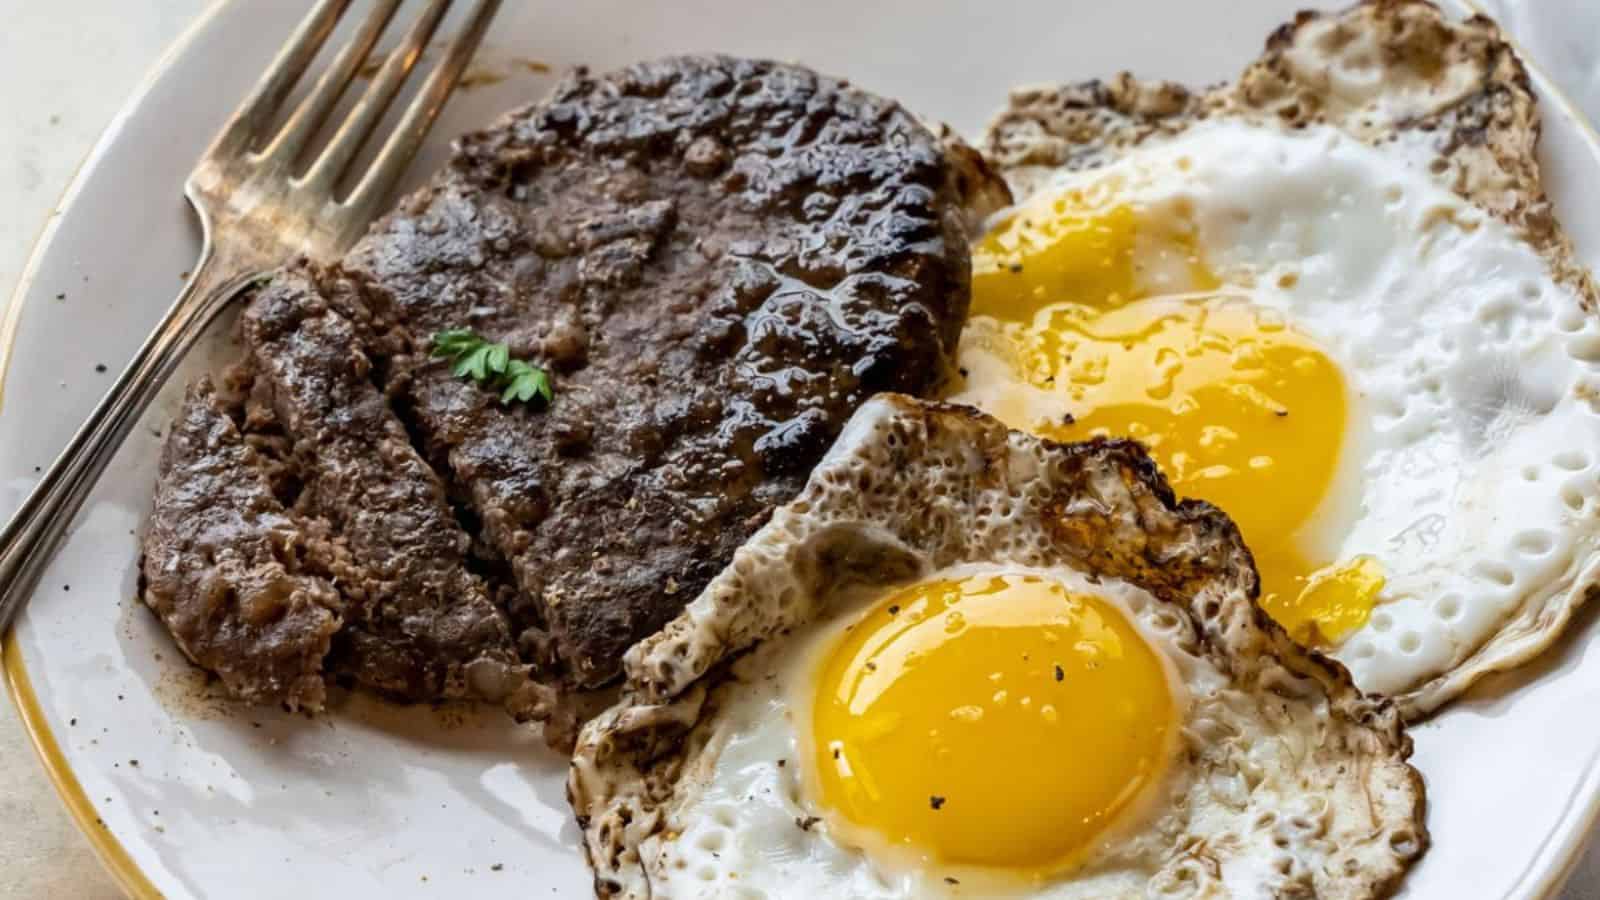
(452, 343)
(525, 382)
(492, 365)
(474, 364)
(499, 357)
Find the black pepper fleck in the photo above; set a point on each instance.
(894, 610)
(936, 801)
(100, 367)
(497, 867)
(1060, 674)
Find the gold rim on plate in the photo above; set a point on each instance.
(110, 851)
(115, 857)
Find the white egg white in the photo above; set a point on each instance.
(1285, 778)
(736, 820)
(1471, 467)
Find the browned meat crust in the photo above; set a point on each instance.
(419, 624)
(225, 566)
(720, 259)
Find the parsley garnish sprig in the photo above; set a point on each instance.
(491, 365)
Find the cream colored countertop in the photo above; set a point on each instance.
(67, 66)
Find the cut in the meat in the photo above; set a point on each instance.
(223, 565)
(719, 260)
(419, 624)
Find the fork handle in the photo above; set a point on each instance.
(31, 537)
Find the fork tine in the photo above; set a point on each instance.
(326, 171)
(407, 137)
(254, 114)
(314, 109)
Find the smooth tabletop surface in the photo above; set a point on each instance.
(68, 65)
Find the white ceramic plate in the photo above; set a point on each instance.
(185, 796)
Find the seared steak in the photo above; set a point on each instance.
(224, 565)
(720, 259)
(717, 259)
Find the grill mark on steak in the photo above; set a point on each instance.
(419, 624)
(229, 572)
(719, 259)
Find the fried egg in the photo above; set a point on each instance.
(969, 662)
(1332, 328)
(1096, 313)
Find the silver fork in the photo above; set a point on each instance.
(256, 211)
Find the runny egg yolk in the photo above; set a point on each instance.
(1110, 311)
(998, 721)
